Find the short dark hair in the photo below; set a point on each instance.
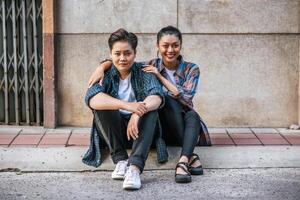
(169, 30)
(122, 35)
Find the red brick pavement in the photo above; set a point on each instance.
(68, 137)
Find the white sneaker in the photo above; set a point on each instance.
(120, 170)
(132, 180)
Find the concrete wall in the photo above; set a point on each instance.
(248, 52)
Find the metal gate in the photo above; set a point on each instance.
(21, 62)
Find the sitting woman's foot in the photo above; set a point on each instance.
(132, 179)
(195, 166)
(182, 174)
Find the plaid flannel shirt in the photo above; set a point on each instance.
(187, 77)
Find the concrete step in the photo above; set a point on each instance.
(215, 157)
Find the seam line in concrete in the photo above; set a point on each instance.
(284, 137)
(230, 137)
(192, 33)
(14, 138)
(16, 170)
(257, 137)
(298, 41)
(41, 138)
(67, 143)
(276, 130)
(177, 14)
(299, 18)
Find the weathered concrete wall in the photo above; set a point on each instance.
(105, 16)
(248, 52)
(238, 16)
(299, 73)
(247, 80)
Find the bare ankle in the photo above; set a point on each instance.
(135, 168)
(184, 159)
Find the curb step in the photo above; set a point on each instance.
(61, 159)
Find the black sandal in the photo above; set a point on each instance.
(183, 178)
(195, 170)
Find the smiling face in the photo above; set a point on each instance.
(169, 47)
(122, 55)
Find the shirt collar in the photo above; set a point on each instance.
(180, 69)
(115, 73)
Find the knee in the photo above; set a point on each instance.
(102, 112)
(152, 115)
(171, 102)
(192, 116)
(105, 113)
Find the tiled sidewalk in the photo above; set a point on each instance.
(40, 137)
(255, 136)
(68, 137)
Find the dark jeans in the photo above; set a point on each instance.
(179, 127)
(113, 127)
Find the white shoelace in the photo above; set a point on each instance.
(132, 175)
(120, 167)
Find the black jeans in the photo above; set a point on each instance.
(179, 127)
(113, 127)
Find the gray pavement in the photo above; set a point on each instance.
(259, 183)
(231, 172)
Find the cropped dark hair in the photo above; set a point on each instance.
(122, 35)
(169, 30)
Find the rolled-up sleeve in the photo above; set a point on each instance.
(189, 88)
(92, 91)
(153, 87)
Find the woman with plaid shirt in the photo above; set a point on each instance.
(181, 124)
(125, 104)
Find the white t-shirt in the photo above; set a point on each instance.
(170, 77)
(126, 92)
